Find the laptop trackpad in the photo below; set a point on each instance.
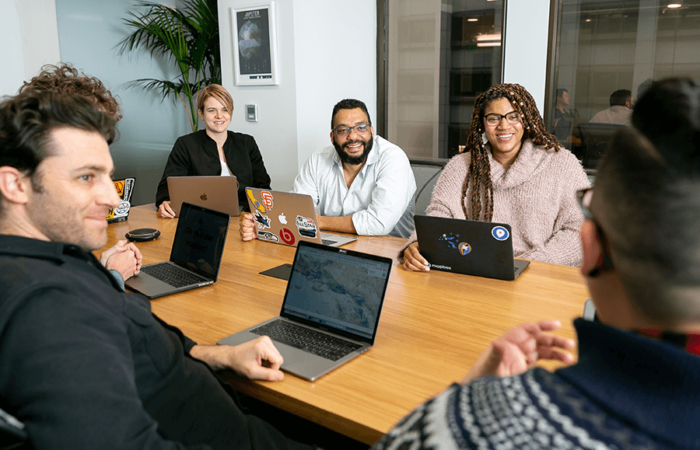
(147, 285)
(303, 364)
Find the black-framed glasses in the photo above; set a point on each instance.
(345, 131)
(494, 119)
(584, 197)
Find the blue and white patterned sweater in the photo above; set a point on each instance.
(626, 391)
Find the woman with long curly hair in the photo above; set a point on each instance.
(512, 171)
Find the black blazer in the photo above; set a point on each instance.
(196, 154)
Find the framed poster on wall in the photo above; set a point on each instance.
(255, 44)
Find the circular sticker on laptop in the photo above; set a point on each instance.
(464, 248)
(287, 236)
(500, 233)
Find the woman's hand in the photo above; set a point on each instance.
(413, 260)
(165, 211)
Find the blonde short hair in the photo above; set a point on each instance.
(218, 92)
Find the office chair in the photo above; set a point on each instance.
(426, 173)
(595, 139)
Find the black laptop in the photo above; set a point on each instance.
(483, 249)
(195, 258)
(330, 312)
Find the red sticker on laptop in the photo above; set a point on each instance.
(287, 236)
(267, 199)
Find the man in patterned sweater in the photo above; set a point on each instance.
(637, 380)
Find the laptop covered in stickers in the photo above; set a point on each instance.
(286, 218)
(483, 249)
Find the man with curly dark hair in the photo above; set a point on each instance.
(85, 365)
(65, 79)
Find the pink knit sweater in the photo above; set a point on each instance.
(536, 196)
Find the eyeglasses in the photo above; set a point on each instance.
(494, 119)
(584, 202)
(344, 131)
(584, 197)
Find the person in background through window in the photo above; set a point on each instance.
(620, 111)
(564, 119)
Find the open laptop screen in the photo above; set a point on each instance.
(199, 239)
(337, 289)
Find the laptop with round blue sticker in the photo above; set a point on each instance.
(483, 249)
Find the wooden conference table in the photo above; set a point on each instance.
(433, 326)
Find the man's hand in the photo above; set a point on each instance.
(257, 359)
(413, 260)
(247, 227)
(124, 257)
(520, 348)
(165, 211)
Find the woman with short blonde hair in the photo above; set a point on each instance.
(214, 151)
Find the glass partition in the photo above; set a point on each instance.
(441, 55)
(605, 55)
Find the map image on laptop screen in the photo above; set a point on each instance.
(341, 291)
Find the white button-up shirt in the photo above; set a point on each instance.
(380, 198)
(618, 114)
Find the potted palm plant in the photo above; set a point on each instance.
(188, 36)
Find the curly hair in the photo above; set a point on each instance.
(65, 79)
(479, 175)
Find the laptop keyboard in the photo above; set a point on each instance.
(172, 275)
(328, 242)
(314, 342)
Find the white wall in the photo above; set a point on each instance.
(29, 40)
(527, 33)
(336, 58)
(319, 65)
(276, 129)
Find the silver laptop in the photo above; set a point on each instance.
(484, 249)
(286, 218)
(213, 192)
(195, 258)
(330, 312)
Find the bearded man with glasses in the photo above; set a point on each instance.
(637, 380)
(362, 184)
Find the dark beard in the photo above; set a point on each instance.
(354, 160)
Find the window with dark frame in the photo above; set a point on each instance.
(605, 54)
(434, 58)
